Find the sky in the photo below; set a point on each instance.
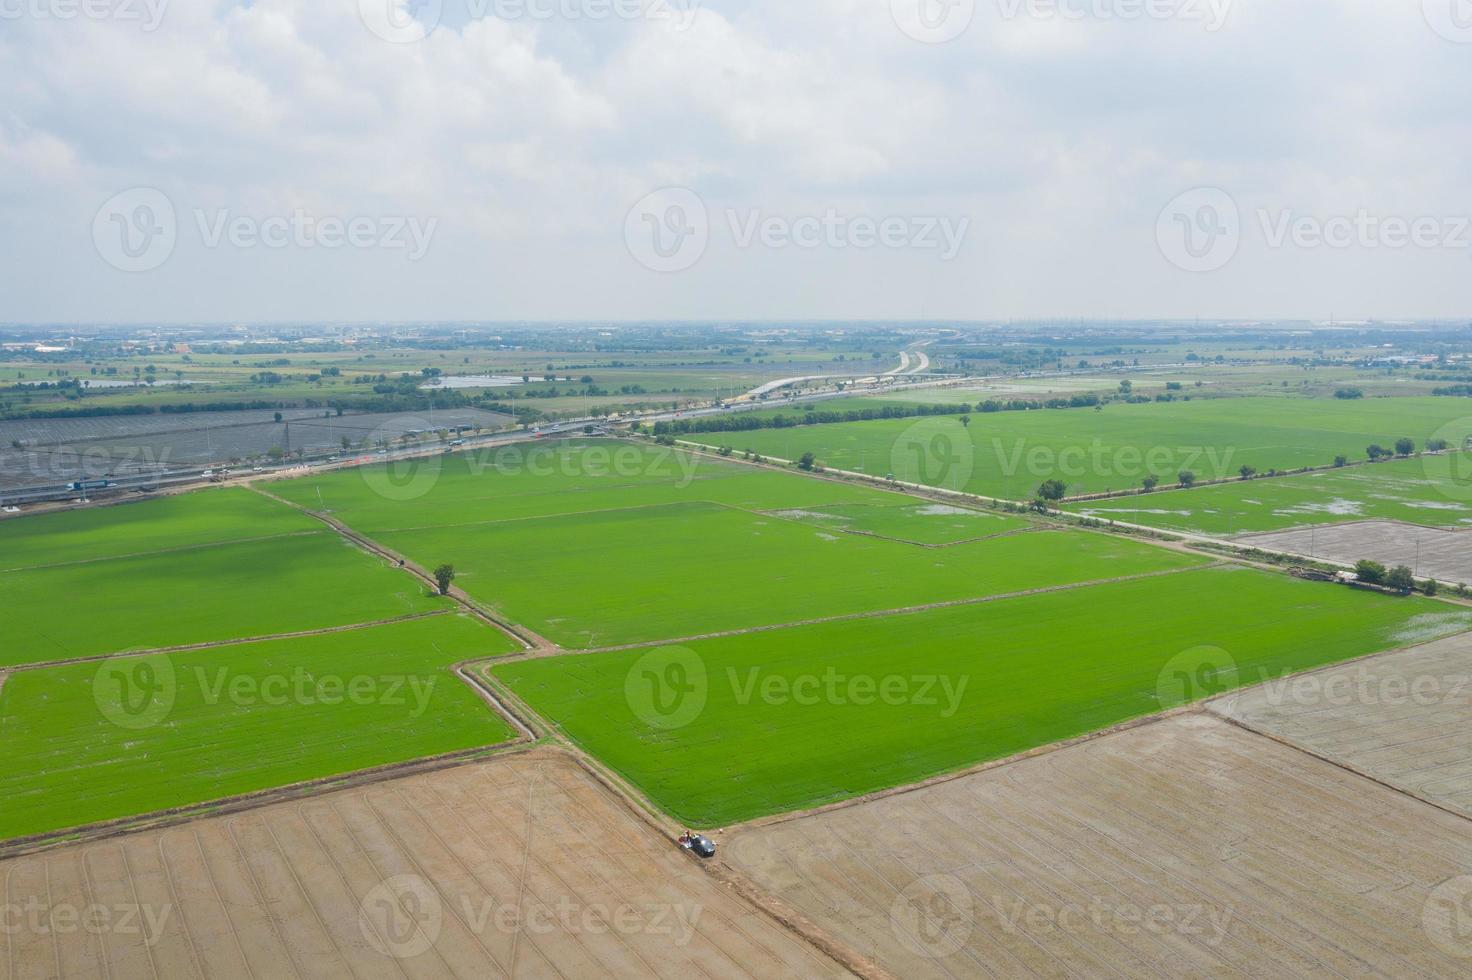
(493, 160)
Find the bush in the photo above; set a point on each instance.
(1370, 572)
(1402, 579)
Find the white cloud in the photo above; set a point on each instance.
(528, 140)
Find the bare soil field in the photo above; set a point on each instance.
(1430, 552)
(1401, 718)
(60, 450)
(525, 866)
(1183, 847)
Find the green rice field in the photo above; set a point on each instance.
(1432, 490)
(1008, 454)
(730, 729)
(97, 741)
(215, 516)
(763, 570)
(204, 594)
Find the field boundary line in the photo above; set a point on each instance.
(235, 642)
(1220, 705)
(1339, 764)
(520, 634)
(256, 799)
(162, 551)
(874, 614)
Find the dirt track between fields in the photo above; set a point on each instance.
(521, 867)
(1182, 846)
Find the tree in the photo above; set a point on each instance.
(1431, 588)
(808, 462)
(1151, 482)
(1053, 490)
(1187, 478)
(443, 576)
(1401, 579)
(1376, 452)
(1248, 472)
(1341, 461)
(1040, 505)
(1436, 445)
(278, 416)
(1369, 572)
(965, 421)
(1405, 447)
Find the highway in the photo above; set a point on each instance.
(173, 480)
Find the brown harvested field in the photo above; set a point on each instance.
(1403, 718)
(1182, 847)
(1432, 552)
(525, 866)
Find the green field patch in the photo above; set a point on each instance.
(629, 576)
(1008, 454)
(730, 729)
(917, 523)
(132, 735)
(188, 520)
(1433, 490)
(224, 592)
(544, 479)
